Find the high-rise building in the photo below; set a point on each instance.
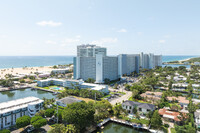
(99, 66)
(150, 61)
(89, 50)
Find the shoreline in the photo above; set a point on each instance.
(24, 70)
(179, 61)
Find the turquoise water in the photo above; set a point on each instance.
(22, 93)
(175, 58)
(118, 128)
(33, 61)
(56, 88)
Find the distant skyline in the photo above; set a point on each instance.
(56, 27)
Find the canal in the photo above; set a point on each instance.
(113, 127)
(21, 93)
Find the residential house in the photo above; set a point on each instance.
(197, 118)
(151, 96)
(67, 100)
(143, 108)
(181, 100)
(171, 116)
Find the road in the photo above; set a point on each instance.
(122, 98)
(122, 89)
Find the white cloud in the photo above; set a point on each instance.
(78, 36)
(139, 33)
(50, 42)
(167, 36)
(162, 41)
(3, 36)
(104, 41)
(49, 23)
(122, 30)
(70, 41)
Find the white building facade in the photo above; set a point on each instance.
(10, 111)
(72, 84)
(101, 67)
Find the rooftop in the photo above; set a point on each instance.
(69, 100)
(169, 114)
(139, 105)
(18, 104)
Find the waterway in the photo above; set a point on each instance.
(112, 127)
(22, 93)
(176, 65)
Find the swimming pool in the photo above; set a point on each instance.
(56, 88)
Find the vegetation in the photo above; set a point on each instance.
(38, 121)
(60, 128)
(156, 121)
(5, 131)
(90, 80)
(85, 93)
(79, 114)
(49, 112)
(103, 110)
(23, 121)
(6, 82)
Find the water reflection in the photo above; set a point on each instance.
(22, 93)
(118, 128)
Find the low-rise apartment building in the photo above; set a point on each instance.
(10, 111)
(72, 84)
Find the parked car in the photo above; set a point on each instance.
(30, 129)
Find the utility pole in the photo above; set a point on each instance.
(57, 112)
(95, 97)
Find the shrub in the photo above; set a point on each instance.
(49, 112)
(23, 121)
(166, 125)
(39, 123)
(35, 118)
(5, 131)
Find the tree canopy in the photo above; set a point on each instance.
(23, 121)
(80, 114)
(156, 121)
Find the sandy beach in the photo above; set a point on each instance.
(186, 59)
(26, 70)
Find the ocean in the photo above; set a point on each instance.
(36, 61)
(33, 61)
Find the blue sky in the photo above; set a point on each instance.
(56, 27)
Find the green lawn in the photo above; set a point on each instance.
(142, 121)
(49, 87)
(173, 130)
(106, 96)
